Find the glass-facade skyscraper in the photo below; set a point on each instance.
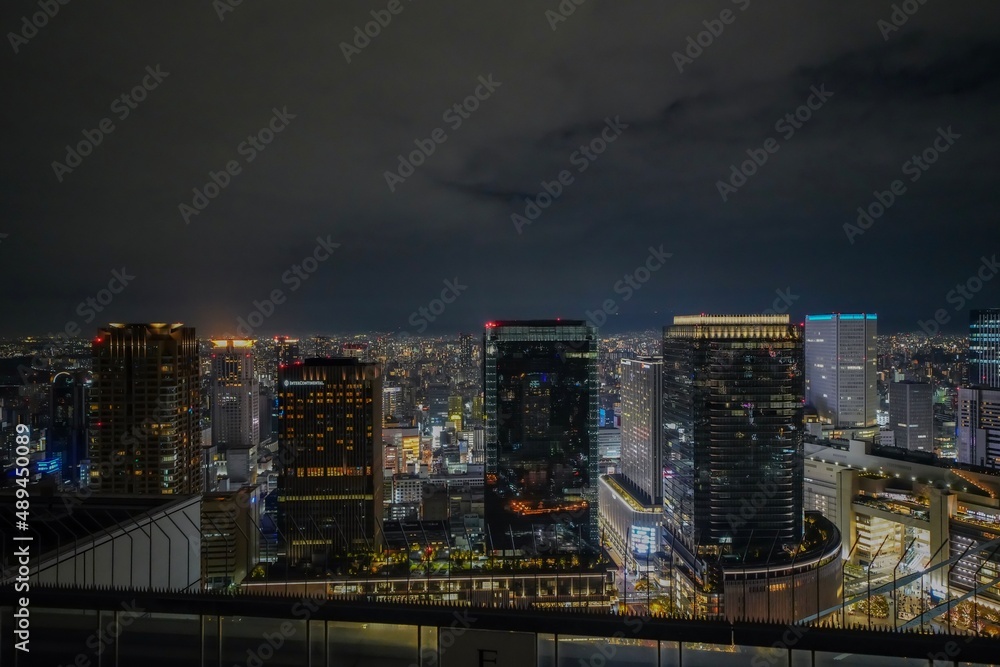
(541, 404)
(330, 485)
(733, 406)
(841, 368)
(911, 415)
(984, 348)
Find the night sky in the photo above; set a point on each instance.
(881, 93)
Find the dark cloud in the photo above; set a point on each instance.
(656, 184)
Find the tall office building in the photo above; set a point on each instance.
(235, 395)
(330, 488)
(145, 404)
(733, 397)
(67, 431)
(478, 404)
(841, 368)
(631, 501)
(911, 415)
(465, 360)
(540, 412)
(984, 348)
(977, 432)
(456, 411)
(437, 403)
(642, 426)
(392, 403)
(286, 350)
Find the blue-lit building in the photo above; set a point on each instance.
(984, 348)
(841, 368)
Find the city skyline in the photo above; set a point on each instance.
(384, 490)
(500, 333)
(961, 329)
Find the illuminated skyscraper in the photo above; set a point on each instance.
(456, 409)
(144, 408)
(733, 395)
(477, 410)
(465, 361)
(437, 403)
(984, 348)
(541, 401)
(286, 350)
(392, 403)
(631, 502)
(977, 437)
(841, 368)
(330, 486)
(642, 426)
(235, 395)
(911, 415)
